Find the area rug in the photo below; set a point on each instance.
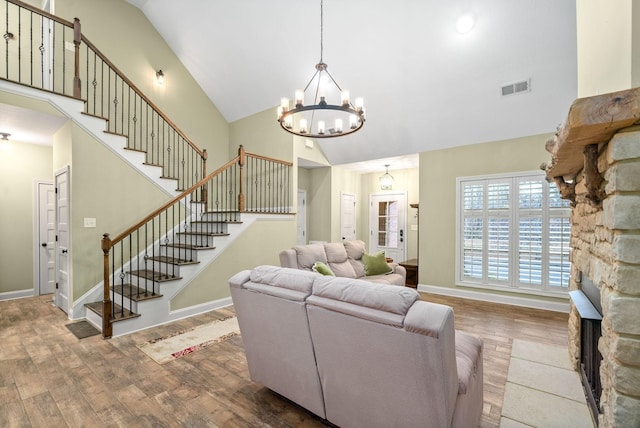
(168, 348)
(82, 329)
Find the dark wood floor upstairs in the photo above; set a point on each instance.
(49, 378)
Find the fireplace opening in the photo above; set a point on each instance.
(589, 307)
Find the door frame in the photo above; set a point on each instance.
(57, 299)
(301, 219)
(37, 221)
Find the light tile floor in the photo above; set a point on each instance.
(543, 390)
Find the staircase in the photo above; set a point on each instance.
(141, 297)
(146, 265)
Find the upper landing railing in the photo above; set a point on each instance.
(43, 51)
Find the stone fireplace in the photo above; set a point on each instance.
(596, 164)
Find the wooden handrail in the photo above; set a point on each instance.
(200, 183)
(139, 92)
(78, 37)
(42, 12)
(266, 158)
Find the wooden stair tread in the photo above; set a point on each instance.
(133, 149)
(203, 233)
(173, 260)
(119, 314)
(187, 246)
(116, 133)
(135, 293)
(94, 115)
(216, 222)
(154, 276)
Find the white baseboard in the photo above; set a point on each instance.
(200, 308)
(20, 294)
(497, 298)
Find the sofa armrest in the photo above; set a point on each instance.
(239, 279)
(288, 258)
(401, 270)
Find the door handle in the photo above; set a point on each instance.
(44, 244)
(401, 235)
(64, 251)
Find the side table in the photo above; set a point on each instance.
(411, 266)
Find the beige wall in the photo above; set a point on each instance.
(261, 134)
(20, 165)
(113, 193)
(212, 284)
(319, 205)
(438, 172)
(122, 32)
(404, 180)
(608, 46)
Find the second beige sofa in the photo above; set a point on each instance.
(345, 259)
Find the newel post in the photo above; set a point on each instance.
(106, 302)
(204, 194)
(241, 162)
(77, 38)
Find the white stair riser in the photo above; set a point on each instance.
(179, 253)
(198, 240)
(209, 227)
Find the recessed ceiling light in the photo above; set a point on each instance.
(465, 24)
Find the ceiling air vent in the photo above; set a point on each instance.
(517, 87)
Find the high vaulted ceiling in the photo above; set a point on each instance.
(425, 86)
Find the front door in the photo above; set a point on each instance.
(62, 233)
(46, 237)
(388, 220)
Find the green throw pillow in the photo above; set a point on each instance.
(322, 268)
(375, 264)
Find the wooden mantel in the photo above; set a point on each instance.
(591, 120)
(574, 148)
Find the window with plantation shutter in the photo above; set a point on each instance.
(513, 233)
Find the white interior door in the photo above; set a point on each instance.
(388, 219)
(45, 244)
(63, 235)
(348, 216)
(302, 217)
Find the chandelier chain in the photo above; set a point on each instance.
(321, 29)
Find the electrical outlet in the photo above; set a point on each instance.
(89, 222)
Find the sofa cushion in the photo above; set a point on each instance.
(322, 269)
(468, 352)
(375, 264)
(292, 279)
(355, 250)
(338, 260)
(382, 297)
(307, 255)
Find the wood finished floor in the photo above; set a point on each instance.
(49, 378)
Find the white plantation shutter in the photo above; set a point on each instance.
(498, 221)
(514, 232)
(559, 239)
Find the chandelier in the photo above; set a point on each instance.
(312, 114)
(386, 180)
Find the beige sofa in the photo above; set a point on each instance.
(345, 259)
(356, 353)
